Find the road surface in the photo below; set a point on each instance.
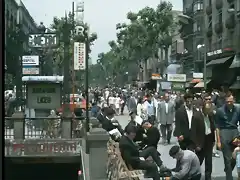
(218, 165)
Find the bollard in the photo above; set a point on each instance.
(19, 128)
(96, 140)
(67, 127)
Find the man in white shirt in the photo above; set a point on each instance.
(184, 123)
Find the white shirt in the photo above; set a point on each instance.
(166, 107)
(207, 125)
(189, 114)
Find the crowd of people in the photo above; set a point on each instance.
(199, 121)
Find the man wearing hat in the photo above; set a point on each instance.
(188, 165)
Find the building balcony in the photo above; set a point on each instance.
(209, 10)
(230, 22)
(218, 27)
(219, 4)
(228, 44)
(209, 32)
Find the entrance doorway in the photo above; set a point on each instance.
(41, 171)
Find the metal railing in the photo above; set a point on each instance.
(41, 127)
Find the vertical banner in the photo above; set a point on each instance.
(79, 56)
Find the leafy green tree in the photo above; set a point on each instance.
(140, 40)
(60, 25)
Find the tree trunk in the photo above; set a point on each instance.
(162, 61)
(166, 57)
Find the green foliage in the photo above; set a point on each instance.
(148, 30)
(66, 25)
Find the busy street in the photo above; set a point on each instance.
(117, 90)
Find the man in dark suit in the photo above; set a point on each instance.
(184, 122)
(106, 118)
(204, 134)
(133, 122)
(152, 135)
(135, 158)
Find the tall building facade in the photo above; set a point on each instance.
(16, 16)
(223, 30)
(192, 27)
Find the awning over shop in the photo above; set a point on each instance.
(199, 85)
(235, 85)
(219, 61)
(236, 62)
(196, 80)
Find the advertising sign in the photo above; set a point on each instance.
(30, 147)
(43, 96)
(30, 71)
(176, 77)
(30, 60)
(79, 56)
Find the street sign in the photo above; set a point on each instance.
(79, 56)
(44, 95)
(30, 70)
(40, 147)
(47, 40)
(30, 60)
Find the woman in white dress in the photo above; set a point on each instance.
(117, 104)
(141, 110)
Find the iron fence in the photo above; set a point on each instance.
(41, 127)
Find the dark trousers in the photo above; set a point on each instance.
(166, 131)
(186, 144)
(122, 107)
(226, 136)
(150, 167)
(206, 153)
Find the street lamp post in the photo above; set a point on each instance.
(66, 40)
(19, 41)
(42, 30)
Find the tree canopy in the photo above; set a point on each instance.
(137, 41)
(67, 23)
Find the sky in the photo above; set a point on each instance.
(101, 15)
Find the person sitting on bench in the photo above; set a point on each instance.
(135, 158)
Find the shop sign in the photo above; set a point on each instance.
(176, 77)
(198, 75)
(178, 86)
(42, 148)
(219, 51)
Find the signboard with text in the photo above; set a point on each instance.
(30, 61)
(176, 77)
(41, 147)
(46, 40)
(43, 95)
(30, 70)
(79, 56)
